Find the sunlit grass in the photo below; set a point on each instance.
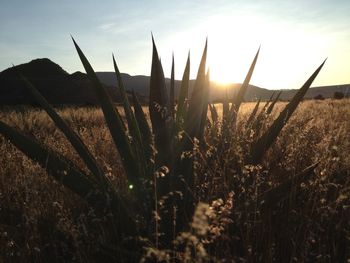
(318, 130)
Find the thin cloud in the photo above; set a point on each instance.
(107, 26)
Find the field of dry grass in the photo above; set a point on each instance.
(40, 220)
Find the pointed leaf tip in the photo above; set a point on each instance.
(257, 53)
(153, 42)
(265, 141)
(155, 52)
(75, 43)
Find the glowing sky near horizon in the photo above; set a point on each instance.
(295, 37)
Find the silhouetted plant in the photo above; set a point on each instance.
(161, 160)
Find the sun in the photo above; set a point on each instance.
(233, 43)
(286, 57)
(228, 66)
(222, 75)
(231, 49)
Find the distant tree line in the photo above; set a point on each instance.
(336, 95)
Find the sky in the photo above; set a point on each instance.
(295, 37)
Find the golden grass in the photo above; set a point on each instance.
(39, 219)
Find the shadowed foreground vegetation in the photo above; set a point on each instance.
(189, 182)
(40, 220)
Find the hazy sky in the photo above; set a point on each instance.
(295, 36)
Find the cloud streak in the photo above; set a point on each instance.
(294, 33)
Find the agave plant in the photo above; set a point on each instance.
(157, 160)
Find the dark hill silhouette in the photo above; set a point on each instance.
(60, 87)
(41, 67)
(56, 85)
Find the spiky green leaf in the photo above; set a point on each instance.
(267, 103)
(159, 111)
(172, 89)
(196, 103)
(265, 141)
(137, 145)
(66, 172)
(241, 92)
(145, 130)
(61, 168)
(253, 114)
(72, 137)
(183, 95)
(272, 105)
(205, 107)
(193, 121)
(113, 120)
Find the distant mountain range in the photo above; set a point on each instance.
(60, 87)
(140, 84)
